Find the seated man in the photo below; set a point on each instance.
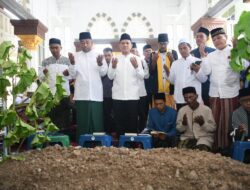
(241, 116)
(195, 122)
(241, 120)
(161, 123)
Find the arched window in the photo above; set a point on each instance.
(138, 26)
(102, 26)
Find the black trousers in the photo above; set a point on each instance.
(60, 114)
(205, 92)
(143, 113)
(126, 116)
(150, 100)
(108, 116)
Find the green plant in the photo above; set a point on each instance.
(15, 78)
(242, 49)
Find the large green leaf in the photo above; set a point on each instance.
(60, 91)
(9, 118)
(9, 68)
(243, 25)
(22, 57)
(236, 67)
(26, 79)
(27, 54)
(46, 121)
(36, 141)
(11, 139)
(49, 105)
(45, 108)
(31, 112)
(4, 49)
(51, 127)
(34, 110)
(4, 83)
(23, 130)
(41, 102)
(40, 139)
(42, 93)
(10, 72)
(8, 64)
(242, 50)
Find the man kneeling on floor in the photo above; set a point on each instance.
(195, 122)
(161, 123)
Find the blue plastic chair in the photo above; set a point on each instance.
(145, 140)
(105, 140)
(239, 149)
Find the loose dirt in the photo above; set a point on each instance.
(121, 168)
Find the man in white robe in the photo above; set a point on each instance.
(185, 72)
(126, 72)
(88, 67)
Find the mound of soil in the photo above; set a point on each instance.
(121, 168)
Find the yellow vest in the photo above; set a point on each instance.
(163, 88)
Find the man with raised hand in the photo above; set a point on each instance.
(88, 68)
(126, 71)
(195, 122)
(201, 38)
(51, 67)
(161, 63)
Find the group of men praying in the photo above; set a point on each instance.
(193, 101)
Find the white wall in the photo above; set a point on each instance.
(66, 19)
(47, 12)
(198, 9)
(119, 11)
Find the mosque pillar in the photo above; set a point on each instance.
(30, 31)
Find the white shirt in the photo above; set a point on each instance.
(55, 67)
(88, 84)
(224, 82)
(142, 89)
(126, 78)
(182, 76)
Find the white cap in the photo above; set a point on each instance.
(183, 40)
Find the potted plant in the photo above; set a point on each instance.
(15, 78)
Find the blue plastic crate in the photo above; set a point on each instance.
(105, 140)
(146, 140)
(239, 149)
